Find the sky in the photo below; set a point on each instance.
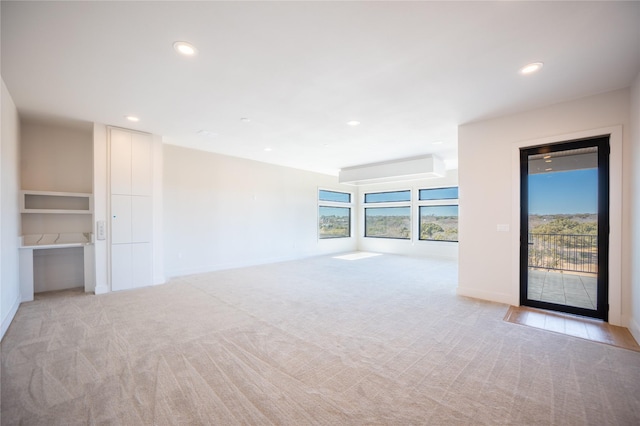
(570, 192)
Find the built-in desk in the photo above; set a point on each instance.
(30, 243)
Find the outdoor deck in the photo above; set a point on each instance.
(567, 288)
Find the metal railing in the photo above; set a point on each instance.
(566, 252)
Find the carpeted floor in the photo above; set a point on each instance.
(381, 340)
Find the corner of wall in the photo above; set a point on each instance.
(9, 209)
(8, 317)
(100, 205)
(634, 320)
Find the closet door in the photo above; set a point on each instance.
(131, 209)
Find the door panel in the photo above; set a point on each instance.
(142, 265)
(121, 267)
(120, 145)
(141, 223)
(120, 219)
(141, 176)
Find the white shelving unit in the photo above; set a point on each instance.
(53, 205)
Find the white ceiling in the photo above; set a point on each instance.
(409, 72)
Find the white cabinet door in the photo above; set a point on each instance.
(141, 171)
(121, 267)
(120, 219)
(142, 273)
(141, 219)
(120, 145)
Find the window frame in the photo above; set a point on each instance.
(388, 204)
(334, 204)
(435, 203)
(364, 198)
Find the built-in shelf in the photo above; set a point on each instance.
(69, 239)
(48, 202)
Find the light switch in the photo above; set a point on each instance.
(100, 229)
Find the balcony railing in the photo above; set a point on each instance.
(566, 252)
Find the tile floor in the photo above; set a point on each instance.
(572, 289)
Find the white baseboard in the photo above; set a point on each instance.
(634, 328)
(6, 321)
(233, 265)
(101, 289)
(487, 295)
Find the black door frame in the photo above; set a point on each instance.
(602, 142)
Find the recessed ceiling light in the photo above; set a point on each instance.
(437, 143)
(268, 149)
(184, 48)
(207, 133)
(353, 123)
(132, 118)
(546, 157)
(245, 119)
(531, 68)
(548, 169)
(548, 161)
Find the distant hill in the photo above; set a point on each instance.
(583, 223)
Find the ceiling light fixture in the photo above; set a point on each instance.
(353, 123)
(437, 143)
(531, 68)
(268, 149)
(245, 119)
(132, 118)
(207, 133)
(184, 48)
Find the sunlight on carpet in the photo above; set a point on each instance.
(357, 255)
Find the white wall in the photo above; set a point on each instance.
(9, 216)
(412, 247)
(634, 324)
(487, 258)
(56, 157)
(223, 212)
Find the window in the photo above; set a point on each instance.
(387, 197)
(387, 222)
(334, 222)
(450, 193)
(340, 197)
(334, 218)
(439, 223)
(438, 218)
(392, 218)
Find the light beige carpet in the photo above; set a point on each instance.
(381, 340)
